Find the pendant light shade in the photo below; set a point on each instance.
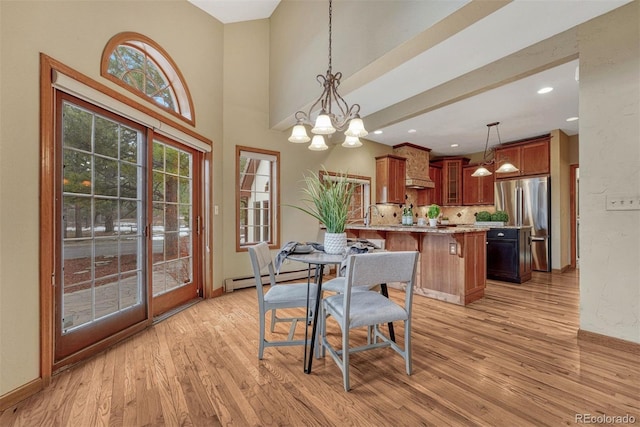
(299, 134)
(481, 171)
(356, 128)
(506, 168)
(317, 143)
(352, 142)
(323, 125)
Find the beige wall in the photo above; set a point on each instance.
(74, 33)
(609, 166)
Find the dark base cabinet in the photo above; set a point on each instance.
(509, 254)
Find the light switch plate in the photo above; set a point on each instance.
(623, 203)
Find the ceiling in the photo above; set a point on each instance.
(521, 111)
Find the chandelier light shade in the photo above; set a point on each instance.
(352, 142)
(504, 168)
(299, 134)
(318, 144)
(335, 114)
(323, 125)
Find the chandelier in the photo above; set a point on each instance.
(328, 120)
(504, 168)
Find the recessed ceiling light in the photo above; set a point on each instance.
(572, 119)
(411, 131)
(545, 90)
(377, 132)
(454, 145)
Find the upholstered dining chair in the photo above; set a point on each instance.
(337, 284)
(279, 296)
(369, 308)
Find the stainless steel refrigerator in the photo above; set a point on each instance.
(527, 201)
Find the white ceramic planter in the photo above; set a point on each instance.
(335, 243)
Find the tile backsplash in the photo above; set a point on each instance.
(392, 214)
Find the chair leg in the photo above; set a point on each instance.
(261, 338)
(323, 331)
(345, 358)
(273, 319)
(407, 345)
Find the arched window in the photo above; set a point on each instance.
(140, 65)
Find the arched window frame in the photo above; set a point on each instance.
(161, 59)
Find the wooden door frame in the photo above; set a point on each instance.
(48, 206)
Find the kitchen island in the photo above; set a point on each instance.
(452, 264)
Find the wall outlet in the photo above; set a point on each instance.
(453, 248)
(623, 203)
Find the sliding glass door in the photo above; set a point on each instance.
(127, 215)
(102, 273)
(175, 226)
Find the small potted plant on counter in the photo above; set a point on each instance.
(433, 213)
(444, 220)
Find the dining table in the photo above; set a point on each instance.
(319, 259)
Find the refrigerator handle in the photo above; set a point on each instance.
(519, 207)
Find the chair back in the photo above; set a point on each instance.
(261, 261)
(374, 268)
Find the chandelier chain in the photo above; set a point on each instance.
(330, 13)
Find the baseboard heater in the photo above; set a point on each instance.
(248, 281)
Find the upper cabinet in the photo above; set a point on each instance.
(530, 157)
(433, 195)
(452, 179)
(477, 190)
(390, 179)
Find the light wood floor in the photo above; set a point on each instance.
(510, 359)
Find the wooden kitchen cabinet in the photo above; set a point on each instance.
(390, 179)
(477, 190)
(531, 157)
(452, 179)
(433, 195)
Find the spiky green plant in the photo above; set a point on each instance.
(328, 200)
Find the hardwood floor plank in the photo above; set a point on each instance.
(511, 358)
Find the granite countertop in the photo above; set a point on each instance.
(418, 228)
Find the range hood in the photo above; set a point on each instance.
(417, 165)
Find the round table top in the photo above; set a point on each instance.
(317, 257)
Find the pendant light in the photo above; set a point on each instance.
(482, 170)
(506, 167)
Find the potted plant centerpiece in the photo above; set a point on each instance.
(328, 198)
(433, 212)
